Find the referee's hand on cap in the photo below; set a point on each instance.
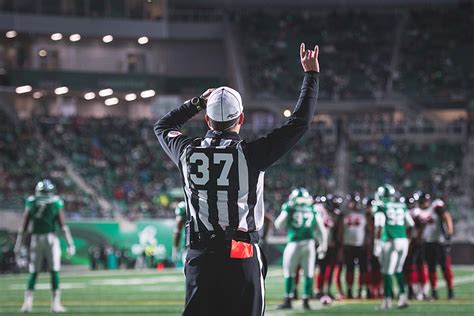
(206, 95)
(309, 58)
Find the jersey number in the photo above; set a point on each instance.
(41, 209)
(301, 219)
(395, 216)
(201, 177)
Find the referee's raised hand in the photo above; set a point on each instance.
(309, 58)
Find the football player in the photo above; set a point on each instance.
(391, 242)
(437, 229)
(354, 242)
(374, 276)
(179, 240)
(414, 268)
(301, 219)
(44, 210)
(331, 214)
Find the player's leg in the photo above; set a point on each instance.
(389, 260)
(444, 260)
(296, 282)
(53, 257)
(319, 279)
(34, 267)
(349, 257)
(362, 258)
(431, 256)
(307, 263)
(290, 261)
(330, 267)
(402, 249)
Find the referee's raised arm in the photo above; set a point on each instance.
(267, 150)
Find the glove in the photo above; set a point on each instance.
(377, 248)
(321, 251)
(71, 250)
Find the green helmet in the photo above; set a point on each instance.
(385, 193)
(299, 193)
(45, 187)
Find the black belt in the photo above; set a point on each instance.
(221, 238)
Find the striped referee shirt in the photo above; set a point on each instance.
(222, 174)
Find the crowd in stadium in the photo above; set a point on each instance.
(362, 51)
(120, 159)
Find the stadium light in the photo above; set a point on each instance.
(11, 34)
(107, 38)
(130, 97)
(56, 36)
(111, 101)
(106, 92)
(287, 113)
(143, 40)
(23, 89)
(89, 95)
(61, 90)
(75, 37)
(37, 95)
(43, 53)
(147, 93)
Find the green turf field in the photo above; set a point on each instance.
(161, 293)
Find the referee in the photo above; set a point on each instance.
(223, 185)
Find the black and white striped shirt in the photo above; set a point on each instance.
(222, 174)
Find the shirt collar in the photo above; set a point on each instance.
(224, 134)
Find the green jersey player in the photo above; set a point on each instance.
(44, 211)
(301, 219)
(179, 242)
(391, 242)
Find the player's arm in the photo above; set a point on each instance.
(281, 219)
(379, 224)
(322, 235)
(22, 231)
(167, 129)
(448, 221)
(267, 150)
(71, 249)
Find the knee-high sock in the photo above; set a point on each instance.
(338, 269)
(32, 281)
(288, 286)
(401, 282)
(308, 287)
(54, 280)
(423, 276)
(349, 279)
(448, 273)
(387, 285)
(320, 281)
(433, 279)
(328, 276)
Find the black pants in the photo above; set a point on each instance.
(435, 254)
(219, 285)
(351, 253)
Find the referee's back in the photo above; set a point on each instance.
(223, 179)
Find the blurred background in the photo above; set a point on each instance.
(83, 81)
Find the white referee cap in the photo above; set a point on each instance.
(224, 104)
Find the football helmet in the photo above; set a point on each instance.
(385, 193)
(45, 187)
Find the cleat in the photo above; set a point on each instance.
(306, 304)
(411, 293)
(450, 294)
(402, 301)
(349, 294)
(26, 308)
(58, 308)
(434, 295)
(386, 305)
(318, 295)
(286, 304)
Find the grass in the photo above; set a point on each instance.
(162, 293)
